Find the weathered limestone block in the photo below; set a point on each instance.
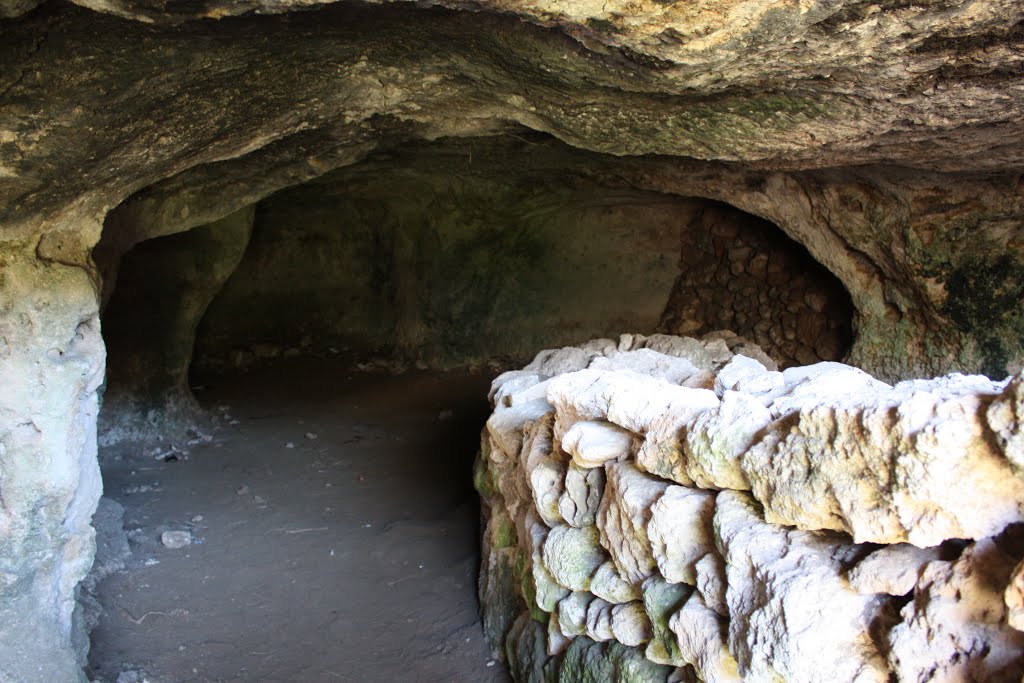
(51, 366)
(516, 386)
(630, 624)
(648, 362)
(635, 402)
(717, 439)
(680, 532)
(820, 384)
(608, 585)
(592, 444)
(955, 628)
(581, 496)
(748, 375)
(792, 615)
(1006, 420)
(709, 353)
(558, 642)
(572, 613)
(599, 620)
(539, 582)
(573, 555)
(587, 662)
(702, 635)
(661, 601)
(526, 651)
(545, 469)
(505, 425)
(623, 517)
(914, 463)
(893, 570)
(552, 362)
(1013, 596)
(711, 582)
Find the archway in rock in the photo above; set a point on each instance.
(340, 337)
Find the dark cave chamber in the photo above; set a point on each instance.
(307, 377)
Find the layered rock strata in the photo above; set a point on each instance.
(667, 508)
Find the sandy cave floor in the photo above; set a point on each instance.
(351, 556)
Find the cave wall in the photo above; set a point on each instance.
(164, 288)
(51, 366)
(441, 258)
(669, 508)
(886, 139)
(462, 251)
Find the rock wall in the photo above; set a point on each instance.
(448, 254)
(463, 251)
(51, 366)
(164, 288)
(738, 272)
(667, 508)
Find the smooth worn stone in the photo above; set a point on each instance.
(788, 588)
(623, 517)
(573, 555)
(680, 532)
(592, 444)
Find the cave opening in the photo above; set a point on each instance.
(299, 386)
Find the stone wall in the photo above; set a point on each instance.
(664, 508)
(738, 272)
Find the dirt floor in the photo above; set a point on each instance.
(335, 536)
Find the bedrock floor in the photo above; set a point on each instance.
(350, 555)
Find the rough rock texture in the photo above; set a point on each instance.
(150, 324)
(884, 138)
(707, 579)
(51, 362)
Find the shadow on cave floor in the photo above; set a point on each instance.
(351, 556)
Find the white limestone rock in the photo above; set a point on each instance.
(630, 624)
(623, 517)
(893, 570)
(822, 383)
(553, 362)
(709, 353)
(599, 620)
(546, 588)
(702, 636)
(638, 403)
(572, 614)
(572, 555)
(505, 425)
(581, 495)
(1013, 596)
(1006, 420)
(792, 614)
(717, 439)
(545, 469)
(649, 362)
(915, 463)
(747, 375)
(711, 582)
(593, 443)
(608, 585)
(955, 628)
(680, 532)
(558, 642)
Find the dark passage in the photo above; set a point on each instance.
(350, 555)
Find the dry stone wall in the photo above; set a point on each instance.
(741, 273)
(668, 508)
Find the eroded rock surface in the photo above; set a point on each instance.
(714, 581)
